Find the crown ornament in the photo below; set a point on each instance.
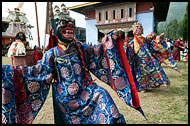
(63, 10)
(136, 24)
(136, 27)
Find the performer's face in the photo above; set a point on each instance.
(64, 29)
(139, 30)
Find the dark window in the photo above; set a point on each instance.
(130, 12)
(106, 15)
(113, 14)
(99, 16)
(121, 13)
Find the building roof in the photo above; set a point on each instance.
(161, 11)
(87, 6)
(84, 5)
(161, 8)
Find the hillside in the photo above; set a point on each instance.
(176, 10)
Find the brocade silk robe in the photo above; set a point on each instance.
(164, 55)
(146, 69)
(24, 89)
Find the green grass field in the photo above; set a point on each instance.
(164, 105)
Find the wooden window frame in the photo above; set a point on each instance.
(122, 13)
(106, 16)
(114, 13)
(130, 12)
(99, 16)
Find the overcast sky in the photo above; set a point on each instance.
(29, 9)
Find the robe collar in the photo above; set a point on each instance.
(62, 47)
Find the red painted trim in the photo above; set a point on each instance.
(8, 37)
(116, 23)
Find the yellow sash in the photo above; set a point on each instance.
(63, 47)
(136, 44)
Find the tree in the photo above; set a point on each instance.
(176, 29)
(172, 28)
(180, 29)
(161, 28)
(185, 25)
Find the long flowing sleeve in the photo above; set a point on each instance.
(169, 60)
(104, 61)
(24, 90)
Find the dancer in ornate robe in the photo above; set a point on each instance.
(160, 51)
(77, 99)
(146, 69)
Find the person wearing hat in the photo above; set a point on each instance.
(77, 99)
(159, 49)
(146, 70)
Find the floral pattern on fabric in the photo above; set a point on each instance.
(146, 68)
(27, 88)
(33, 86)
(77, 104)
(163, 54)
(73, 89)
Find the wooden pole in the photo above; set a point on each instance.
(37, 25)
(47, 14)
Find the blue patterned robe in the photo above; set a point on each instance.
(146, 69)
(162, 53)
(73, 103)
